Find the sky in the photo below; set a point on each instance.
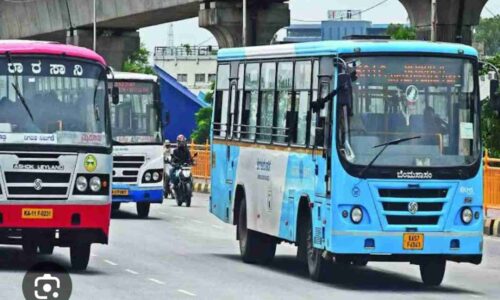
(188, 32)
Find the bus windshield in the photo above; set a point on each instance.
(433, 98)
(52, 101)
(135, 119)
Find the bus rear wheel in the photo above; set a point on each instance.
(255, 247)
(143, 209)
(432, 272)
(80, 255)
(115, 206)
(320, 268)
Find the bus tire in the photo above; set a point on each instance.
(432, 272)
(115, 205)
(46, 248)
(254, 246)
(80, 255)
(30, 248)
(320, 269)
(143, 209)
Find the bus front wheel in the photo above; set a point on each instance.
(80, 255)
(432, 272)
(320, 268)
(255, 247)
(143, 209)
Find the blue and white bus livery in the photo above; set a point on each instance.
(137, 152)
(355, 151)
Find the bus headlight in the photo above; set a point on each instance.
(81, 184)
(95, 184)
(147, 176)
(467, 215)
(356, 215)
(156, 176)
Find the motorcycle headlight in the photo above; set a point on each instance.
(467, 215)
(186, 173)
(356, 215)
(156, 176)
(81, 184)
(147, 176)
(95, 184)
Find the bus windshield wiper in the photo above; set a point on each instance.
(23, 101)
(385, 145)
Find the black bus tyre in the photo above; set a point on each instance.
(115, 206)
(432, 272)
(30, 248)
(46, 248)
(143, 209)
(249, 243)
(80, 255)
(320, 269)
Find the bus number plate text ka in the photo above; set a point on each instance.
(37, 213)
(413, 241)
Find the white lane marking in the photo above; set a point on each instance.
(198, 221)
(217, 226)
(110, 262)
(156, 281)
(187, 293)
(179, 217)
(131, 271)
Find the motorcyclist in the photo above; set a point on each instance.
(180, 156)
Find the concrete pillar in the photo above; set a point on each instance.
(114, 46)
(455, 18)
(224, 21)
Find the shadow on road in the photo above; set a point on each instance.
(357, 278)
(123, 214)
(13, 259)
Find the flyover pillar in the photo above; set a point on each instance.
(224, 21)
(455, 18)
(115, 46)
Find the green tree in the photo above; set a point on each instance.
(204, 119)
(490, 121)
(401, 32)
(138, 62)
(488, 33)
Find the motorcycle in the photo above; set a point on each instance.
(183, 190)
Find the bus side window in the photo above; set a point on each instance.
(221, 101)
(251, 97)
(285, 80)
(267, 93)
(303, 70)
(239, 109)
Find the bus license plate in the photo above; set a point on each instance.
(37, 213)
(120, 192)
(413, 241)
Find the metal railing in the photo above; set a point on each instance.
(201, 170)
(491, 183)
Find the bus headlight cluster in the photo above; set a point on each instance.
(95, 184)
(467, 215)
(81, 184)
(356, 215)
(152, 176)
(156, 176)
(147, 177)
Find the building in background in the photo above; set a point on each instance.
(300, 33)
(194, 67)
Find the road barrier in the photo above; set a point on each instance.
(201, 170)
(491, 183)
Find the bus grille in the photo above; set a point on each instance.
(407, 207)
(28, 185)
(126, 168)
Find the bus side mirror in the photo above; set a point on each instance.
(495, 95)
(344, 95)
(167, 118)
(115, 95)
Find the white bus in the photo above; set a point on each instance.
(137, 152)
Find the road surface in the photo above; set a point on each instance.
(184, 253)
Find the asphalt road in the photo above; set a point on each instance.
(184, 253)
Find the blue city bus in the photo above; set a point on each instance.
(354, 151)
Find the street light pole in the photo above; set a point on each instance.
(244, 22)
(95, 29)
(434, 20)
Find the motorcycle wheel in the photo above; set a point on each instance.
(189, 193)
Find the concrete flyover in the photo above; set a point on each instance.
(118, 20)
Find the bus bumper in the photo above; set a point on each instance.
(388, 246)
(73, 222)
(138, 194)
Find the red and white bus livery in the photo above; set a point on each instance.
(55, 148)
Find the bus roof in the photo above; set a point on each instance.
(134, 76)
(325, 48)
(49, 48)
